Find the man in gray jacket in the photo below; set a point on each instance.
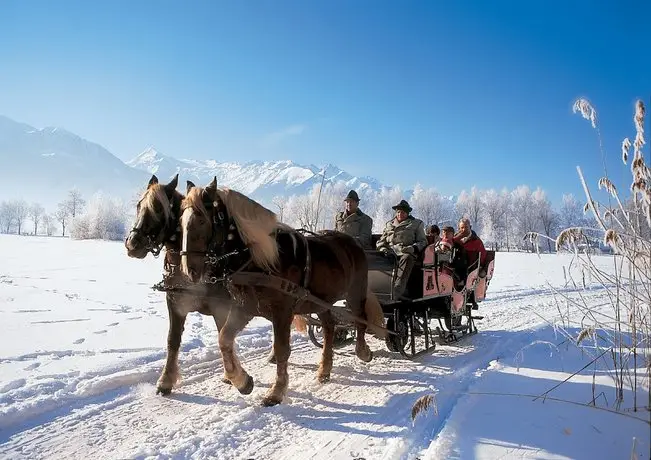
(403, 235)
(354, 222)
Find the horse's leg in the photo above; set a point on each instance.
(356, 300)
(220, 318)
(282, 321)
(271, 358)
(328, 325)
(170, 374)
(233, 371)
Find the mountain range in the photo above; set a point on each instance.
(42, 165)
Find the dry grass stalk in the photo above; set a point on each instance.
(627, 331)
(422, 404)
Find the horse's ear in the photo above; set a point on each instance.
(169, 188)
(189, 185)
(152, 181)
(213, 184)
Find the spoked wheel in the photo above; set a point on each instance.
(343, 336)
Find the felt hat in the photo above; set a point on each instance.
(352, 195)
(402, 205)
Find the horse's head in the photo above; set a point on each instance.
(156, 218)
(222, 229)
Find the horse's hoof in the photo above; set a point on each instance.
(226, 381)
(271, 359)
(366, 356)
(324, 378)
(270, 401)
(248, 386)
(163, 391)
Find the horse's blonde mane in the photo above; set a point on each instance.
(194, 200)
(256, 225)
(148, 199)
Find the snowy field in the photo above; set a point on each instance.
(83, 337)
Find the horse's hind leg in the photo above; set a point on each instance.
(233, 370)
(170, 374)
(220, 320)
(271, 358)
(325, 367)
(282, 321)
(362, 350)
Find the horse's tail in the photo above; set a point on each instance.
(300, 324)
(373, 310)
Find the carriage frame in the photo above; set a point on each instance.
(432, 294)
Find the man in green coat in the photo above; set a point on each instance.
(404, 236)
(354, 222)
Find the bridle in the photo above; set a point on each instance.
(223, 230)
(156, 243)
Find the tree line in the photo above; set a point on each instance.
(501, 218)
(101, 218)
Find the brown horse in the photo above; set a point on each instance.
(157, 225)
(239, 234)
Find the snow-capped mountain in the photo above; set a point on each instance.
(258, 179)
(42, 165)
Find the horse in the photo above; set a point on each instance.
(244, 237)
(157, 226)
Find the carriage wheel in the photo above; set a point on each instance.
(343, 336)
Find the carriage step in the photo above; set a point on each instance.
(477, 317)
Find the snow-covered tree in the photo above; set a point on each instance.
(387, 198)
(62, 215)
(21, 214)
(105, 218)
(547, 218)
(429, 206)
(280, 202)
(522, 219)
(571, 212)
(470, 205)
(74, 203)
(7, 215)
(495, 217)
(48, 223)
(36, 212)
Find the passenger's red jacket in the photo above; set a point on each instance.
(473, 243)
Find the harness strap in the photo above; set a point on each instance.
(307, 270)
(294, 290)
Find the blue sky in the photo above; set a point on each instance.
(449, 94)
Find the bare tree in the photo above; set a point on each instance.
(48, 223)
(7, 215)
(22, 211)
(36, 212)
(547, 217)
(61, 215)
(75, 203)
(280, 202)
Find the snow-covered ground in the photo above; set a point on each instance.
(83, 338)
